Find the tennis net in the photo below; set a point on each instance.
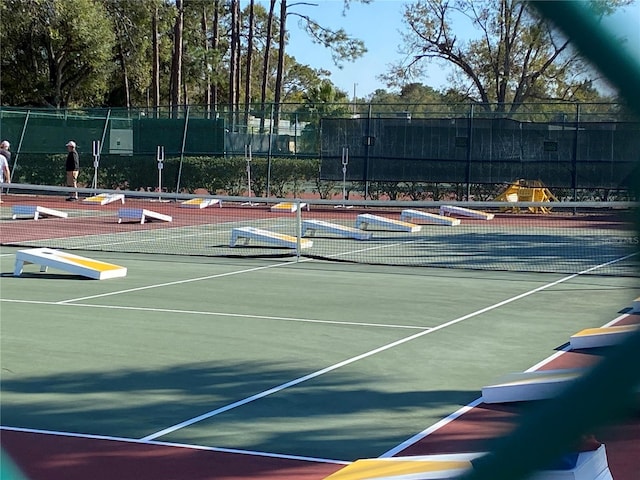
(554, 237)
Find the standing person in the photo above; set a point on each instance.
(72, 168)
(5, 156)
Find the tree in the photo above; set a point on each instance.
(342, 46)
(249, 62)
(55, 52)
(516, 57)
(410, 97)
(265, 63)
(132, 22)
(176, 61)
(234, 61)
(323, 100)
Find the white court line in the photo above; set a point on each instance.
(216, 314)
(304, 378)
(376, 247)
(458, 413)
(172, 444)
(208, 277)
(177, 282)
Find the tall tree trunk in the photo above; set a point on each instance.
(280, 72)
(236, 79)
(176, 62)
(265, 66)
(155, 76)
(125, 74)
(207, 61)
(215, 44)
(247, 85)
(233, 65)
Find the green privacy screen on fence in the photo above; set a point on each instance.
(481, 150)
(572, 146)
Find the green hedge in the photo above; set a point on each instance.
(218, 175)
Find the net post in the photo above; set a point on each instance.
(95, 147)
(160, 159)
(298, 229)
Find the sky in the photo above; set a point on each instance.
(379, 25)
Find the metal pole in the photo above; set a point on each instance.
(345, 162)
(95, 147)
(298, 230)
(184, 142)
(366, 155)
(160, 159)
(269, 153)
(247, 155)
(574, 160)
(469, 143)
(104, 130)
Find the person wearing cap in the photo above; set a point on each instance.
(72, 168)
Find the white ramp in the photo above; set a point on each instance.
(465, 212)
(75, 264)
(365, 219)
(527, 386)
(104, 199)
(288, 207)
(426, 217)
(35, 212)
(201, 203)
(311, 226)
(251, 233)
(142, 215)
(589, 465)
(601, 337)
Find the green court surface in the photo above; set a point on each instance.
(310, 358)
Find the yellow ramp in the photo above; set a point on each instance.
(601, 337)
(420, 467)
(589, 465)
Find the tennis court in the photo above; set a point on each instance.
(254, 361)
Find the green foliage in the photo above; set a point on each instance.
(61, 52)
(218, 175)
(508, 55)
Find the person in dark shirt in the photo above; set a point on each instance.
(72, 168)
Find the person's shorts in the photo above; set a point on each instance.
(72, 176)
